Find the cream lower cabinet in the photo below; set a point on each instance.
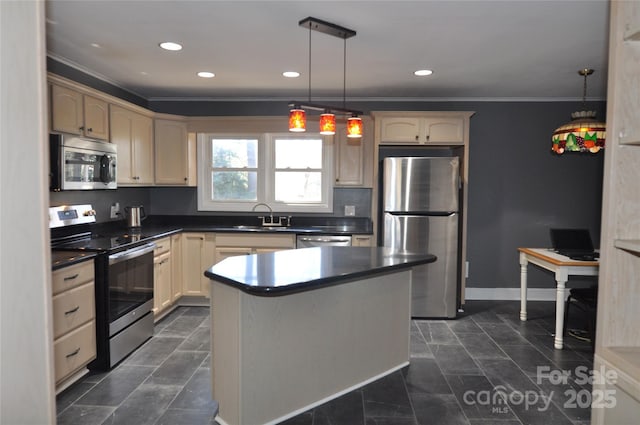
(362, 240)
(197, 256)
(176, 267)
(133, 134)
(230, 244)
(74, 328)
(162, 276)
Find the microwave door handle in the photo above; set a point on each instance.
(104, 169)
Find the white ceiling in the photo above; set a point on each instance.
(485, 50)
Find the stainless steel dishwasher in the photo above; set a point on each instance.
(307, 241)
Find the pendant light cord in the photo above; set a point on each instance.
(309, 61)
(344, 75)
(584, 92)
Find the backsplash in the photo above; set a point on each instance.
(101, 200)
(183, 201)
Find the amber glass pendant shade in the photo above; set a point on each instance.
(297, 120)
(327, 124)
(354, 127)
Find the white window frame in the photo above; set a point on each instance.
(266, 175)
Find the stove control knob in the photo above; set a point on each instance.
(90, 212)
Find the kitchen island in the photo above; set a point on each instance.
(293, 329)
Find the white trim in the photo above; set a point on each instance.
(510, 294)
(265, 175)
(373, 99)
(329, 398)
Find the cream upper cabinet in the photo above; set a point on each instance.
(440, 130)
(174, 150)
(133, 134)
(348, 160)
(75, 113)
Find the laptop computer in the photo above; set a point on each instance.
(573, 243)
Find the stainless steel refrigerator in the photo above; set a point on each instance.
(420, 214)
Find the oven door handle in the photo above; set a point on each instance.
(131, 253)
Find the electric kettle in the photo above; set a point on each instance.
(134, 216)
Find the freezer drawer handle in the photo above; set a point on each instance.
(71, 277)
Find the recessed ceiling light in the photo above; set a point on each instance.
(291, 74)
(170, 45)
(96, 45)
(206, 74)
(423, 72)
(144, 73)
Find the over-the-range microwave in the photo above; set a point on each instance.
(81, 164)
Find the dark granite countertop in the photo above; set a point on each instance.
(244, 224)
(60, 259)
(291, 271)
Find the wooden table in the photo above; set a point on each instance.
(563, 267)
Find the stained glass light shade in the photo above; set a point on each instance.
(354, 127)
(297, 120)
(327, 124)
(583, 134)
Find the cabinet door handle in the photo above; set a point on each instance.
(71, 277)
(417, 137)
(73, 310)
(74, 353)
(186, 179)
(89, 129)
(81, 128)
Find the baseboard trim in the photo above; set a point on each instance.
(509, 294)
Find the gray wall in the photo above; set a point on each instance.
(518, 188)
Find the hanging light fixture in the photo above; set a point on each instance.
(354, 126)
(584, 133)
(327, 124)
(297, 120)
(328, 115)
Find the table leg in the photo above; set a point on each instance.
(523, 286)
(558, 341)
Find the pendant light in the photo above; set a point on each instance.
(297, 120)
(354, 127)
(584, 133)
(327, 123)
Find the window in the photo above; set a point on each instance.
(291, 173)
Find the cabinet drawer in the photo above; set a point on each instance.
(72, 308)
(74, 350)
(72, 276)
(162, 245)
(256, 241)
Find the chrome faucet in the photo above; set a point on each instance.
(281, 221)
(263, 218)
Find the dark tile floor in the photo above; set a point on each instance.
(486, 367)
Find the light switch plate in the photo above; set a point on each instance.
(349, 210)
